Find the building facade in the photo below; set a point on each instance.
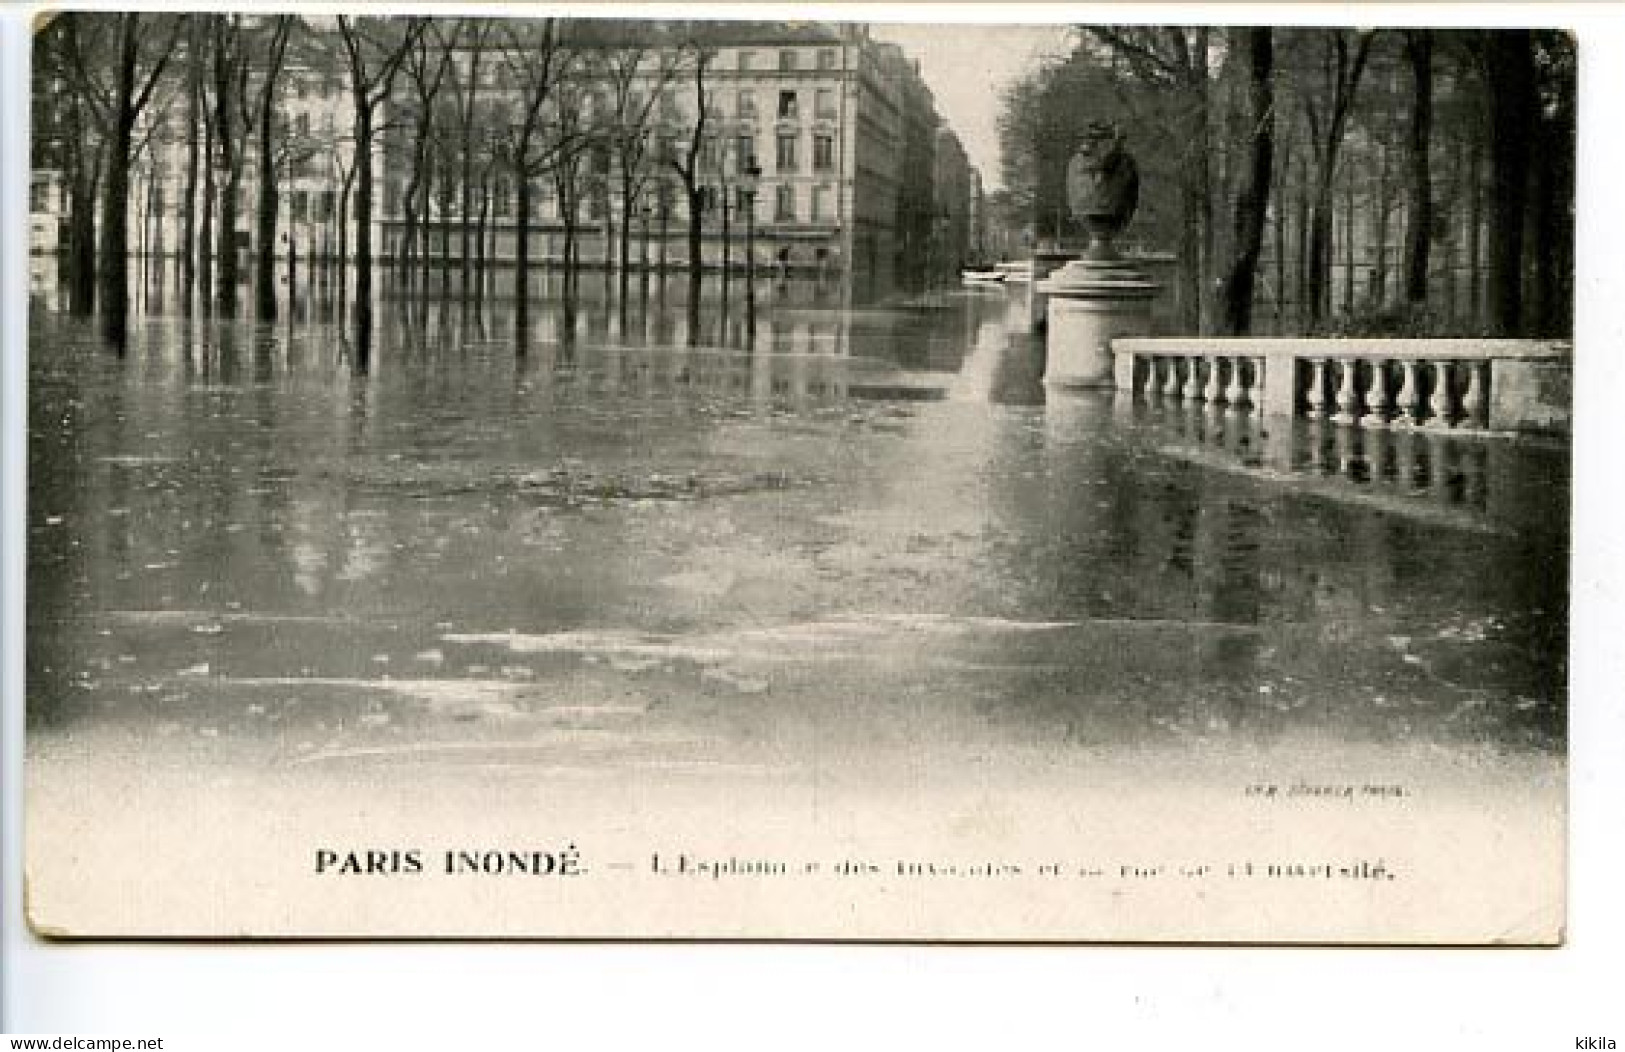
(821, 150)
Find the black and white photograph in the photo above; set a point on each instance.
(536, 476)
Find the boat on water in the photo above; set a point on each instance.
(981, 277)
(1016, 271)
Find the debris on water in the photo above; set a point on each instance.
(741, 683)
(622, 663)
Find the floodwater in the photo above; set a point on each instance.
(863, 541)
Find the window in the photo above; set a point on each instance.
(744, 151)
(745, 60)
(301, 205)
(747, 104)
(826, 58)
(820, 204)
(788, 110)
(325, 201)
(713, 104)
(708, 152)
(787, 61)
(301, 125)
(823, 153)
(824, 106)
(786, 154)
(784, 203)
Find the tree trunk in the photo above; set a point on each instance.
(521, 254)
(205, 259)
(1419, 201)
(626, 229)
(1377, 290)
(1202, 182)
(410, 204)
(363, 236)
(1351, 261)
(479, 237)
(188, 246)
(226, 101)
(82, 199)
(1252, 201)
(1282, 182)
(696, 263)
(1513, 113)
(113, 256)
(266, 216)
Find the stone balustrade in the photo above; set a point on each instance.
(1486, 385)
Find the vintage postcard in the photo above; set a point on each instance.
(538, 476)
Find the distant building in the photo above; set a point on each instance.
(859, 179)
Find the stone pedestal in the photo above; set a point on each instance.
(1090, 302)
(1046, 261)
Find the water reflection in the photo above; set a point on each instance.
(233, 503)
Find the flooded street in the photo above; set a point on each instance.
(849, 557)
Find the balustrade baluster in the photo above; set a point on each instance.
(1439, 404)
(1476, 402)
(1348, 399)
(1193, 378)
(1258, 384)
(1211, 390)
(1317, 388)
(1235, 395)
(1170, 386)
(1376, 398)
(1410, 395)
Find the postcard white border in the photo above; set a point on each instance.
(738, 996)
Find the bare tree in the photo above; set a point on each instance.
(374, 50)
(231, 63)
(116, 91)
(637, 74)
(266, 209)
(687, 163)
(534, 61)
(1344, 57)
(425, 68)
(471, 37)
(1177, 58)
(1419, 229)
(1252, 201)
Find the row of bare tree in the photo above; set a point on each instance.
(466, 104)
(1277, 158)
